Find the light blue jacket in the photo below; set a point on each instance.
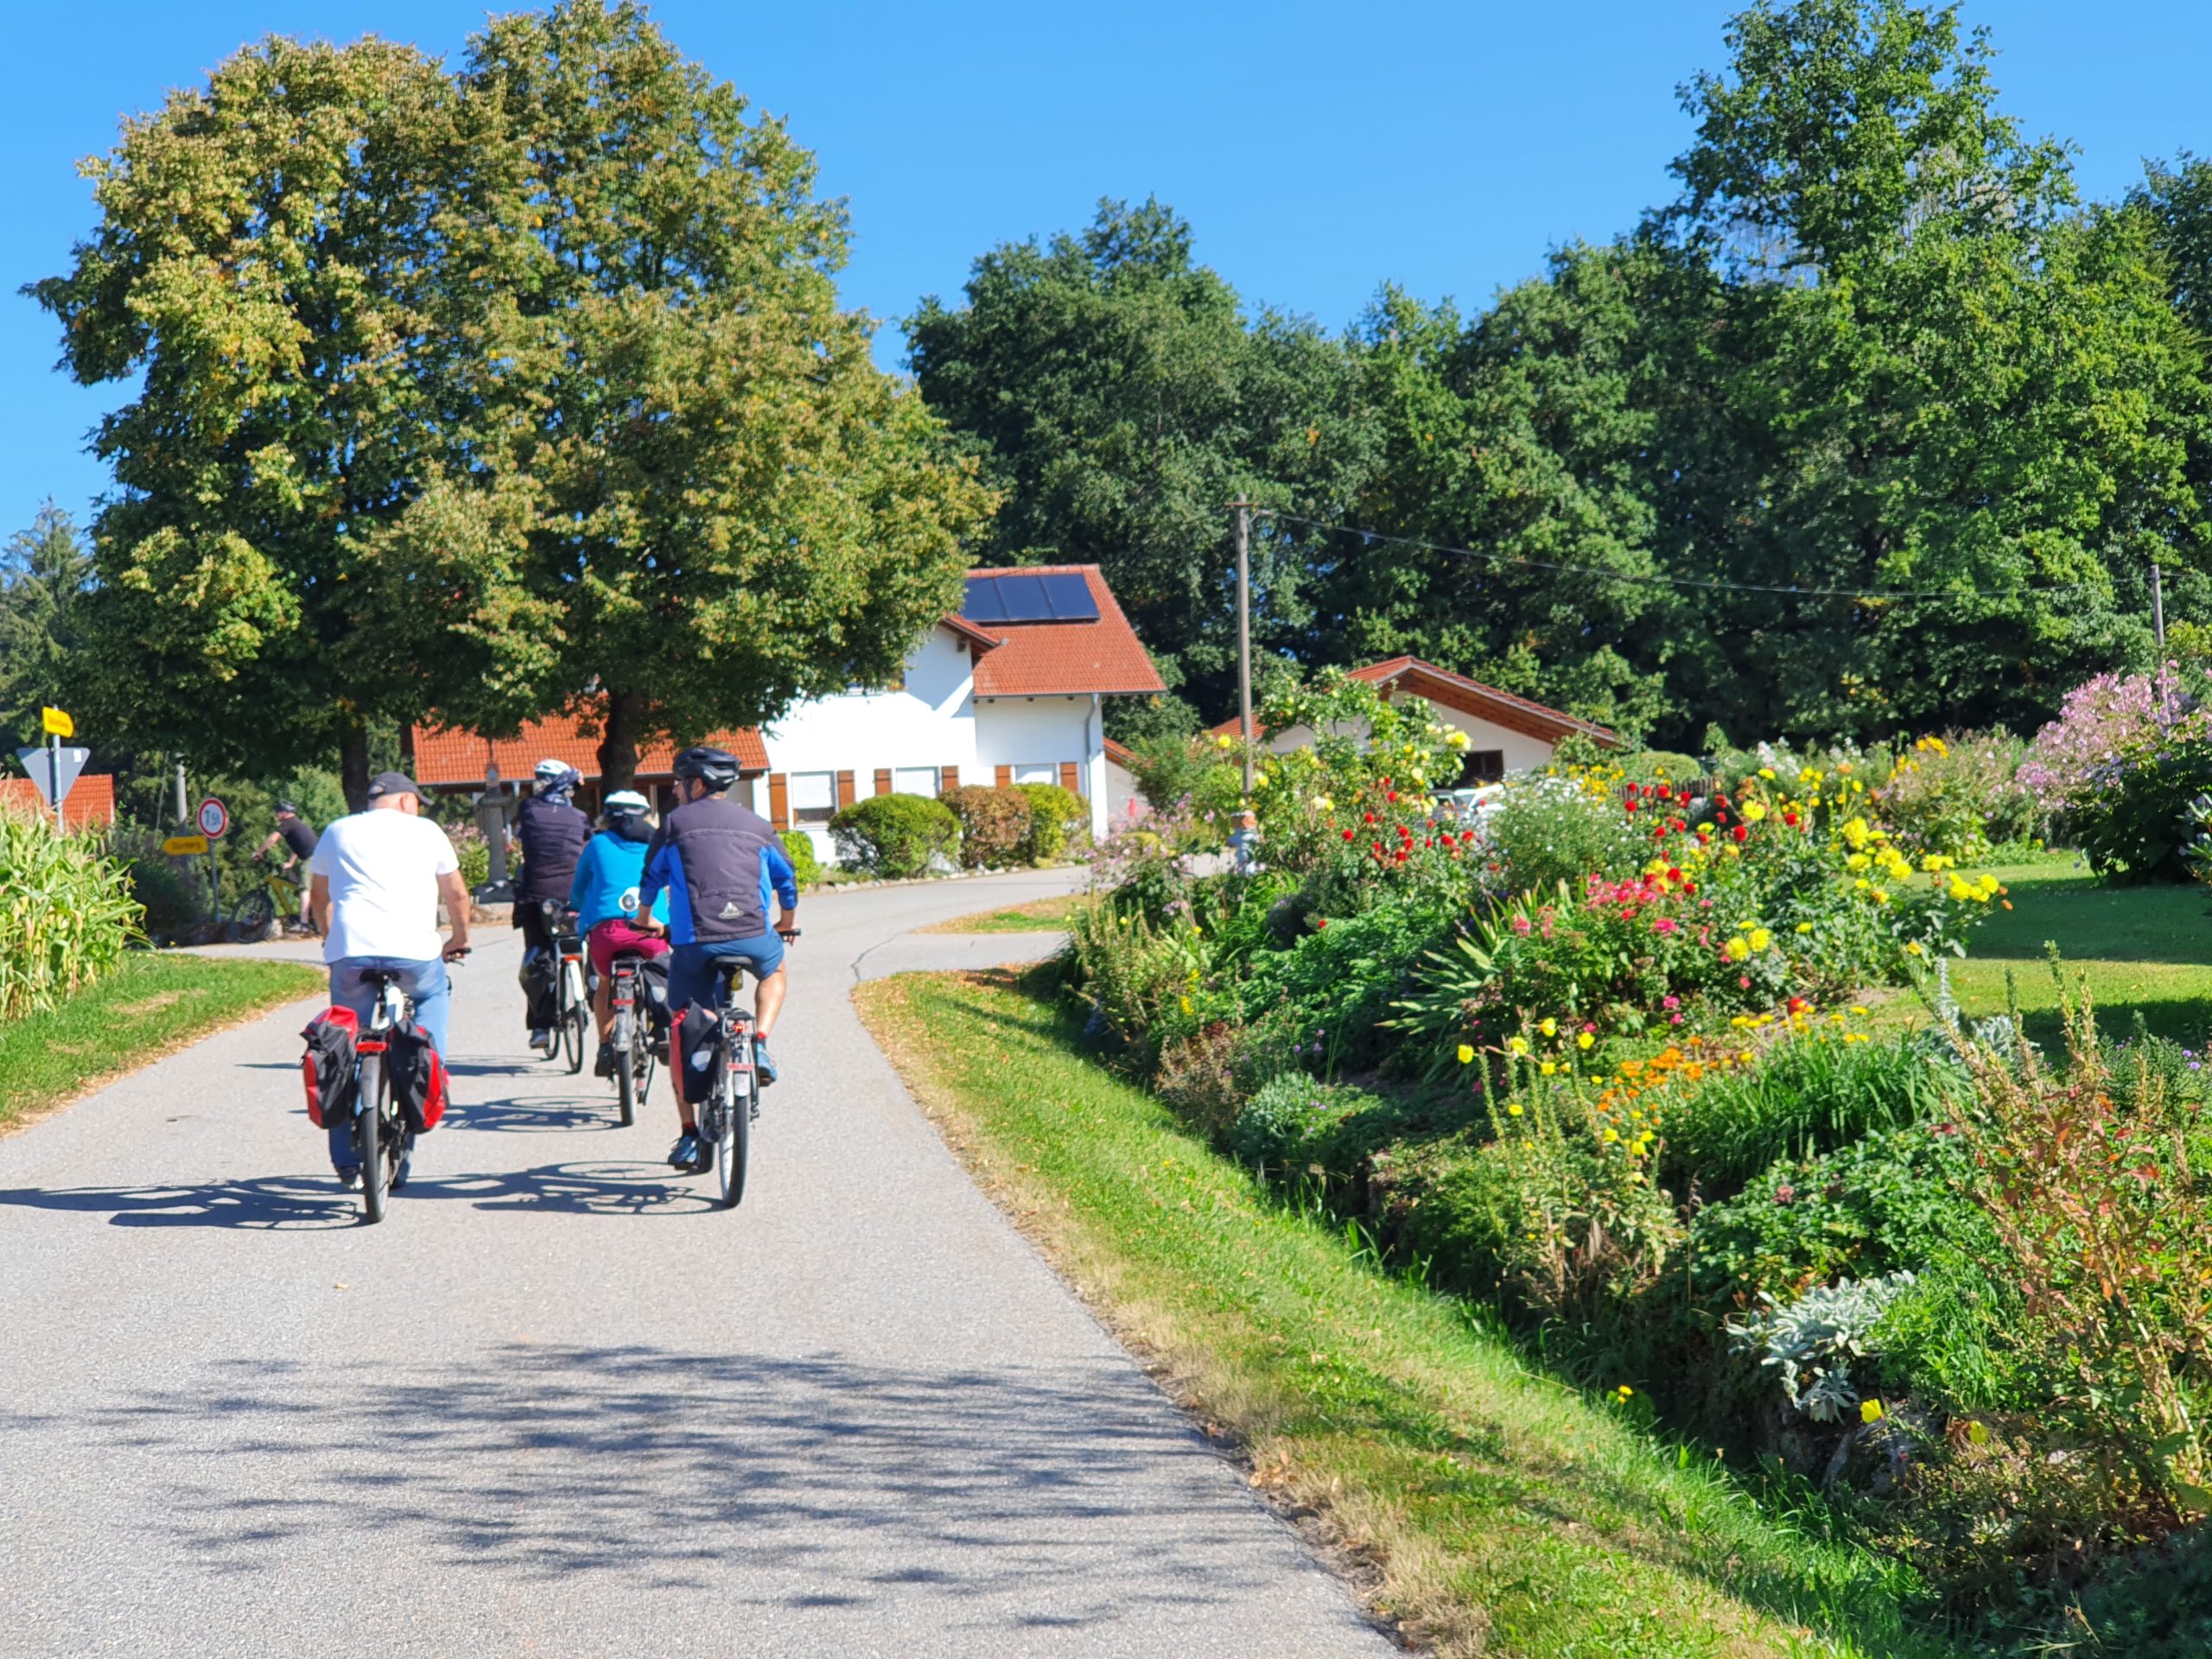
(611, 864)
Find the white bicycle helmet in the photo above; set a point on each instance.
(551, 771)
(624, 802)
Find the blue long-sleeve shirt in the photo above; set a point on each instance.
(612, 864)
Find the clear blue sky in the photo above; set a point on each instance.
(1318, 149)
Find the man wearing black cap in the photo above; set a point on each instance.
(377, 878)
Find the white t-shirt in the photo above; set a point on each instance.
(383, 866)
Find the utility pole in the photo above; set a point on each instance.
(183, 807)
(1244, 510)
(2159, 627)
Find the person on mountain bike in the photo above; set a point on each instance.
(722, 862)
(374, 884)
(299, 837)
(604, 894)
(552, 829)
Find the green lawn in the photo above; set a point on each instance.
(1038, 916)
(2146, 950)
(1503, 1513)
(154, 1003)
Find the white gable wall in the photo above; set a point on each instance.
(1020, 732)
(1522, 752)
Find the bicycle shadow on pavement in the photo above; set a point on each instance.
(1009, 1497)
(599, 1189)
(533, 1114)
(273, 1203)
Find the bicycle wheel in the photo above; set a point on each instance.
(368, 1134)
(250, 921)
(572, 1037)
(736, 1135)
(626, 1070)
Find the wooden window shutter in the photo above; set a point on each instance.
(951, 779)
(779, 801)
(1071, 777)
(883, 780)
(1006, 777)
(845, 789)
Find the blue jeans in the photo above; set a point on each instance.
(425, 981)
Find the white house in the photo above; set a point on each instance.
(1006, 690)
(1505, 733)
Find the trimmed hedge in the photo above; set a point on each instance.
(806, 867)
(895, 835)
(1059, 818)
(994, 823)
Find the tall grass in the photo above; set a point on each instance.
(66, 913)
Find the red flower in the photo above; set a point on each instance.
(1402, 854)
(1378, 849)
(1628, 806)
(1630, 790)
(1740, 833)
(1689, 887)
(1743, 982)
(1320, 921)
(1392, 795)
(1347, 834)
(1789, 818)
(1371, 817)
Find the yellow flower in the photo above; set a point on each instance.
(1514, 1110)
(1466, 1054)
(1804, 927)
(1767, 773)
(1761, 938)
(1550, 1027)
(1857, 834)
(1224, 741)
(1550, 1066)
(1737, 948)
(1186, 1005)
(1610, 1136)
(1323, 803)
(1584, 1040)
(1870, 1411)
(1859, 1011)
(1519, 1045)
(1912, 947)
(1977, 1433)
(1455, 740)
(1753, 812)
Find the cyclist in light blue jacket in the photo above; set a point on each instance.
(604, 894)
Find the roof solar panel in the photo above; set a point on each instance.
(1069, 597)
(983, 603)
(1023, 595)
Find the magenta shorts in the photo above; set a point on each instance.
(616, 936)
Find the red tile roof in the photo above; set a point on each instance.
(91, 800)
(446, 758)
(1124, 757)
(1470, 698)
(1040, 659)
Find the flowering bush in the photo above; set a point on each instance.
(1556, 828)
(2118, 764)
(1959, 795)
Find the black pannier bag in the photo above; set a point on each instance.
(539, 965)
(652, 982)
(327, 1067)
(696, 1033)
(417, 1074)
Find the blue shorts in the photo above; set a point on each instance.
(690, 970)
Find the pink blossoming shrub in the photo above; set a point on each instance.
(2104, 727)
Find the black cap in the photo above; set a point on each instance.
(392, 783)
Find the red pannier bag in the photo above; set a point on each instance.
(417, 1074)
(327, 1067)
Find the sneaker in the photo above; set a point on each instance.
(604, 1066)
(763, 1067)
(688, 1153)
(350, 1177)
(542, 1041)
(406, 1163)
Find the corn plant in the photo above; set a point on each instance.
(65, 913)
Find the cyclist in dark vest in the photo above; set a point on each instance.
(299, 838)
(719, 863)
(552, 830)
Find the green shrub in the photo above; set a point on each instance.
(1660, 767)
(994, 823)
(1059, 819)
(1298, 1130)
(171, 899)
(806, 867)
(471, 849)
(1959, 795)
(1207, 1073)
(66, 913)
(895, 835)
(1557, 830)
(1189, 776)
(1806, 1097)
(1338, 980)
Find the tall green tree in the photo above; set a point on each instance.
(45, 574)
(707, 498)
(1119, 397)
(272, 263)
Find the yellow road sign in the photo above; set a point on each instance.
(185, 844)
(56, 723)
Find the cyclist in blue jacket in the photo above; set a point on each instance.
(720, 863)
(604, 894)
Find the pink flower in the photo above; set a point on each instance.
(1521, 925)
(1670, 1001)
(1666, 924)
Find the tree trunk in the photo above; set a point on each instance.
(617, 741)
(353, 765)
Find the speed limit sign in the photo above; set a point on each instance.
(214, 817)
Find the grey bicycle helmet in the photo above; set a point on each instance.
(716, 768)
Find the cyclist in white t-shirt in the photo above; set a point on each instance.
(375, 882)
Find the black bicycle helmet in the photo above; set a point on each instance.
(716, 768)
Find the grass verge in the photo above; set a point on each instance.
(2143, 950)
(1038, 916)
(154, 1003)
(1501, 1512)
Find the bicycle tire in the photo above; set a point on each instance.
(626, 1071)
(572, 1037)
(646, 1063)
(735, 1141)
(250, 921)
(368, 1131)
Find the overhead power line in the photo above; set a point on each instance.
(1698, 584)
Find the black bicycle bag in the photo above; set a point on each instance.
(327, 1067)
(418, 1076)
(696, 1034)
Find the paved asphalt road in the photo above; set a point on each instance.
(556, 1405)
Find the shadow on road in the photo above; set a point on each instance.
(1037, 1495)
